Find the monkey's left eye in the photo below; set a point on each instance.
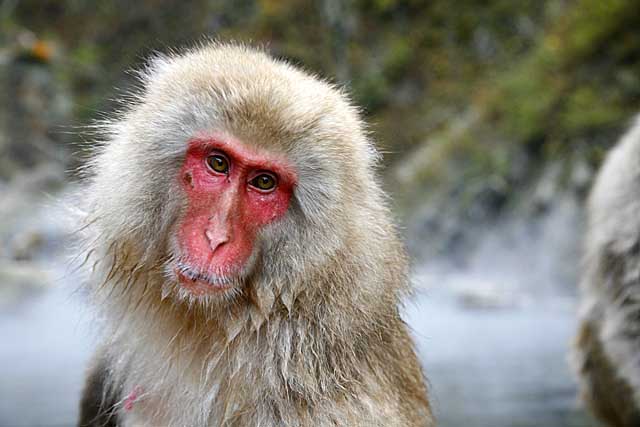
(264, 182)
(218, 163)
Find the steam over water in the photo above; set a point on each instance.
(494, 331)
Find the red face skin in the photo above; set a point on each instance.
(226, 210)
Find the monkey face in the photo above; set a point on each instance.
(232, 192)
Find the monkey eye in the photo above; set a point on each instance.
(218, 163)
(265, 182)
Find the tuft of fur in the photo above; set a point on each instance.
(607, 351)
(313, 337)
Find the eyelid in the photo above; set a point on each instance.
(257, 173)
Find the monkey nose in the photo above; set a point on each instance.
(216, 239)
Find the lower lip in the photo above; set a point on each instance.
(200, 287)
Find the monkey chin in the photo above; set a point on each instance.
(209, 285)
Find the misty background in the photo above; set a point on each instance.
(493, 117)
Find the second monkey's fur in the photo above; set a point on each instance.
(607, 351)
(314, 337)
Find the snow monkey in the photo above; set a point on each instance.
(607, 351)
(245, 261)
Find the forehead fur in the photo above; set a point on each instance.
(260, 100)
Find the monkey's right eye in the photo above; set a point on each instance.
(218, 163)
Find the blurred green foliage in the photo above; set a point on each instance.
(401, 58)
(573, 80)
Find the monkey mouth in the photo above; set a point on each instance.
(201, 282)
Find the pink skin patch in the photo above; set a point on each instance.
(131, 398)
(226, 209)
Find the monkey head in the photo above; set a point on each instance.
(231, 174)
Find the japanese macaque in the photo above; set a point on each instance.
(607, 351)
(246, 265)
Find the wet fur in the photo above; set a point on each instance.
(607, 351)
(314, 337)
